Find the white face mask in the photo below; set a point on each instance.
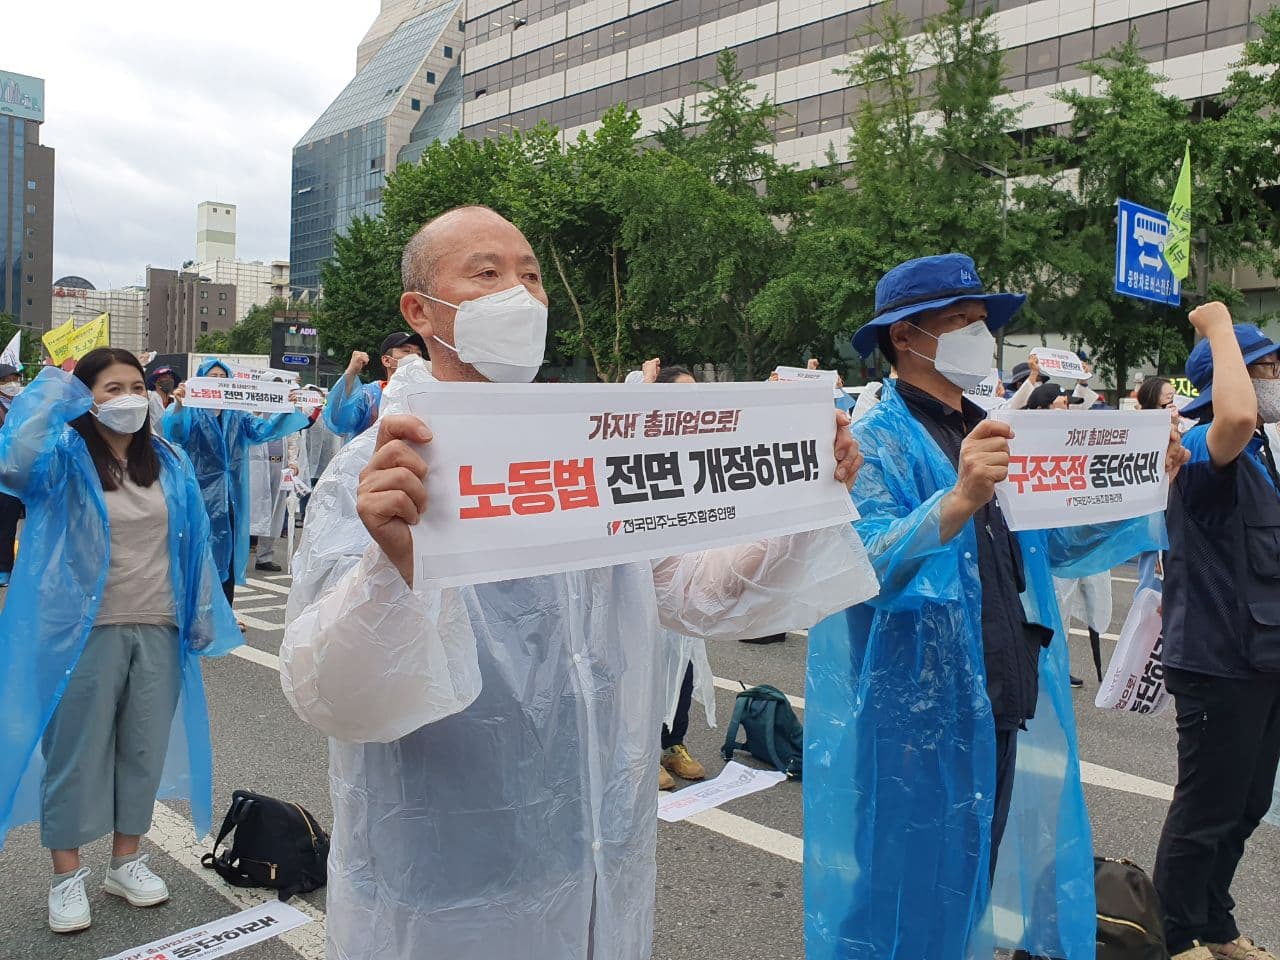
(1268, 392)
(503, 335)
(964, 356)
(10, 390)
(123, 414)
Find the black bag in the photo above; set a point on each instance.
(774, 734)
(1130, 924)
(277, 845)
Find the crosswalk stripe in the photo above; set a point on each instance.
(256, 623)
(270, 609)
(271, 587)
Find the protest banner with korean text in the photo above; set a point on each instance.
(1060, 363)
(805, 375)
(1069, 468)
(251, 396)
(222, 937)
(526, 480)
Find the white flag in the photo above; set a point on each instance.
(13, 352)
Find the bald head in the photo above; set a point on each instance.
(423, 251)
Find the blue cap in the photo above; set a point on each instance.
(1254, 344)
(930, 283)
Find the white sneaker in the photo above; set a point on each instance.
(136, 883)
(69, 904)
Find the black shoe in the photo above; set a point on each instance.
(1076, 682)
(268, 567)
(774, 638)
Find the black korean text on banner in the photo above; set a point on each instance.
(1074, 468)
(527, 480)
(251, 396)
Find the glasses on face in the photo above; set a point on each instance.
(1265, 370)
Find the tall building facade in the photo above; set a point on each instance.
(340, 165)
(215, 231)
(182, 305)
(76, 298)
(255, 282)
(26, 203)
(566, 61)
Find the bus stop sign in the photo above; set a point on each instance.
(1141, 270)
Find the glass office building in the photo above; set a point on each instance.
(26, 204)
(340, 164)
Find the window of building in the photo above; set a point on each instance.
(28, 301)
(31, 208)
(31, 184)
(30, 278)
(204, 294)
(222, 311)
(215, 209)
(448, 53)
(204, 326)
(415, 104)
(204, 310)
(222, 295)
(431, 78)
(31, 254)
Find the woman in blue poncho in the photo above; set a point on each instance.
(114, 596)
(218, 441)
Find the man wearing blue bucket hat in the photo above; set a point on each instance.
(939, 717)
(1222, 636)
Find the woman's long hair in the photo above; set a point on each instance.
(1149, 393)
(144, 465)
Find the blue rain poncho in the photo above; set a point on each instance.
(899, 766)
(54, 597)
(348, 413)
(218, 448)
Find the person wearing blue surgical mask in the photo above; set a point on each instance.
(115, 598)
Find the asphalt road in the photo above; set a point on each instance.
(729, 887)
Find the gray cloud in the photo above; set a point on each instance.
(153, 107)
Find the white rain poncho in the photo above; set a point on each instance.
(266, 464)
(492, 762)
(678, 653)
(1087, 599)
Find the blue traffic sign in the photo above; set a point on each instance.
(296, 360)
(1141, 270)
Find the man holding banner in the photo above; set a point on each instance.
(209, 420)
(492, 758)
(939, 713)
(1222, 635)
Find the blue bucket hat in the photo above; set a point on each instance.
(930, 283)
(1254, 344)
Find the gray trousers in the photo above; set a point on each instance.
(105, 745)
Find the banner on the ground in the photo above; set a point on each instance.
(251, 396)
(805, 375)
(1069, 468)
(735, 780)
(1060, 363)
(526, 480)
(220, 938)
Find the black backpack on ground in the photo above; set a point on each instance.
(1130, 924)
(277, 845)
(774, 733)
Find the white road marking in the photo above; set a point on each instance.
(1124, 580)
(250, 597)
(260, 657)
(733, 686)
(258, 624)
(172, 833)
(270, 587)
(271, 609)
(1098, 776)
(753, 834)
(279, 576)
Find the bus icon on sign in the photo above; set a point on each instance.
(1150, 230)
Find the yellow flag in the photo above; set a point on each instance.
(1177, 246)
(95, 333)
(57, 340)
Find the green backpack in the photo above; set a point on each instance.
(774, 734)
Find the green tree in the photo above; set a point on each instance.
(252, 335)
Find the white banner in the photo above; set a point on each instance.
(223, 937)
(1134, 681)
(13, 352)
(1069, 468)
(1060, 363)
(526, 480)
(735, 780)
(251, 396)
(986, 394)
(805, 375)
(241, 372)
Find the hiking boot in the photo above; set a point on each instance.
(665, 780)
(137, 884)
(1241, 948)
(1194, 953)
(677, 760)
(69, 904)
(269, 566)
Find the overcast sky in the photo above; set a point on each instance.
(154, 106)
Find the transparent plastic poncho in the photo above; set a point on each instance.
(55, 593)
(218, 442)
(899, 767)
(493, 760)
